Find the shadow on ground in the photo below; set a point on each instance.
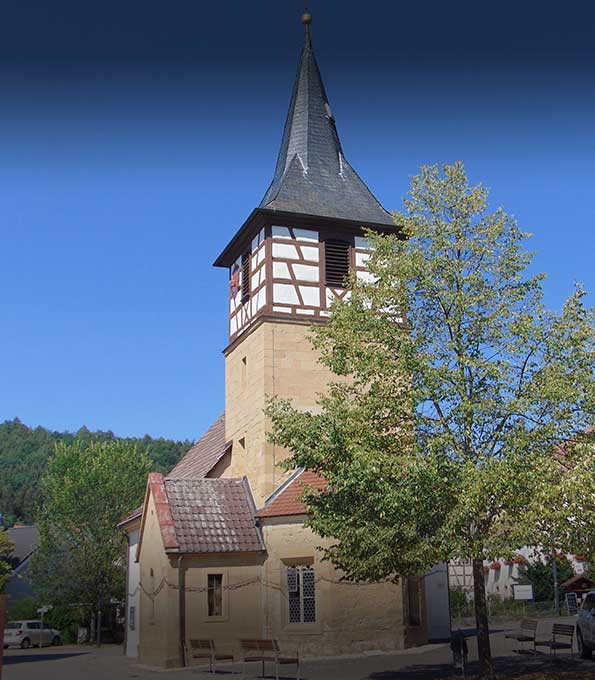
(10, 660)
(506, 667)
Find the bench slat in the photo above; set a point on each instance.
(562, 629)
(260, 645)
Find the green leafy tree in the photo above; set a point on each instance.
(540, 575)
(87, 490)
(6, 548)
(24, 455)
(23, 608)
(571, 517)
(454, 383)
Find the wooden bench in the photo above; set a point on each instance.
(205, 649)
(527, 633)
(266, 650)
(559, 630)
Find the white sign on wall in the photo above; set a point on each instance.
(523, 592)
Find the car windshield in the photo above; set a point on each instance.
(13, 625)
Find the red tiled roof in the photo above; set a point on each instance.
(136, 514)
(287, 501)
(205, 454)
(197, 462)
(561, 451)
(577, 578)
(213, 515)
(163, 510)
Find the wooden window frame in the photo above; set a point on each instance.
(418, 620)
(224, 616)
(219, 614)
(299, 570)
(333, 257)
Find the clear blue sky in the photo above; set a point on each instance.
(136, 137)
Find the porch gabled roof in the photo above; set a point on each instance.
(203, 516)
(286, 500)
(213, 516)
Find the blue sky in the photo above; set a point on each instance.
(135, 140)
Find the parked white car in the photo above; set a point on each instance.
(25, 634)
(585, 627)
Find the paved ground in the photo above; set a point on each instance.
(431, 662)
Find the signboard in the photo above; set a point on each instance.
(572, 603)
(43, 610)
(523, 592)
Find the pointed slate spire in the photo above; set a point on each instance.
(312, 176)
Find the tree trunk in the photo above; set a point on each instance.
(486, 665)
(98, 631)
(556, 590)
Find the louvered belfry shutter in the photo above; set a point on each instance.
(245, 277)
(336, 260)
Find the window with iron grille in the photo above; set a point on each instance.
(245, 277)
(302, 594)
(215, 594)
(336, 262)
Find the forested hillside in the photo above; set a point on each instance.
(24, 453)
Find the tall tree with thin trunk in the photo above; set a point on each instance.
(455, 384)
(87, 490)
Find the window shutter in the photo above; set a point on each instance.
(336, 259)
(245, 277)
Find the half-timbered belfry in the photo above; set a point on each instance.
(220, 551)
(287, 263)
(290, 257)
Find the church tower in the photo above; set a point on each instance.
(286, 264)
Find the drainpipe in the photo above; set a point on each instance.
(126, 596)
(182, 611)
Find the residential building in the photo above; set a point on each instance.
(25, 540)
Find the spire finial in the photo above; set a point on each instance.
(306, 16)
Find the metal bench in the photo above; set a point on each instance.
(205, 649)
(559, 630)
(527, 633)
(266, 650)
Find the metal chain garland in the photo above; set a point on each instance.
(234, 586)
